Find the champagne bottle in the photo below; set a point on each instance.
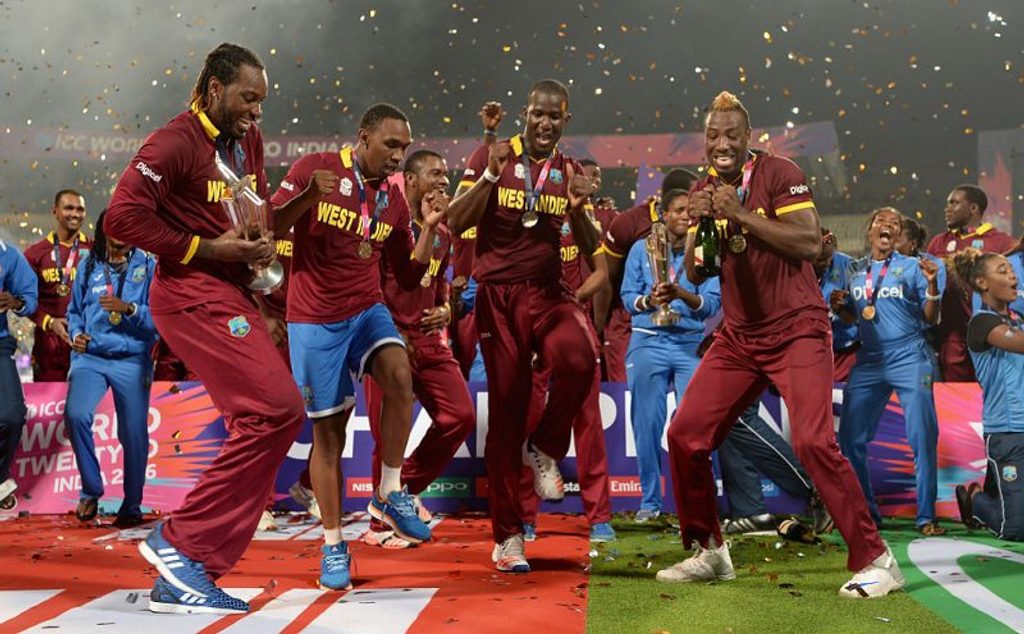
(707, 248)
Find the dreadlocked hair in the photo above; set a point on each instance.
(223, 63)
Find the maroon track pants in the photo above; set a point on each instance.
(515, 321)
(797, 358)
(252, 387)
(591, 458)
(438, 385)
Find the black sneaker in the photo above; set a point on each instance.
(87, 509)
(965, 501)
(751, 524)
(821, 519)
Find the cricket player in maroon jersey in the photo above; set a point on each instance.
(588, 431)
(168, 202)
(524, 189)
(55, 260)
(339, 328)
(776, 329)
(421, 315)
(618, 238)
(965, 206)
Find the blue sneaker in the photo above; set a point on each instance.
(602, 532)
(529, 532)
(183, 573)
(334, 567)
(164, 598)
(399, 512)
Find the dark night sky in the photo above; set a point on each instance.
(907, 83)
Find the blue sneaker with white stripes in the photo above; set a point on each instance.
(399, 512)
(334, 567)
(164, 598)
(174, 566)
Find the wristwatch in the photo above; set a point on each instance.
(132, 309)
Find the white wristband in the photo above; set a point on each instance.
(493, 178)
(932, 298)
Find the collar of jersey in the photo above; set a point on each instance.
(208, 127)
(753, 160)
(981, 230)
(50, 237)
(346, 157)
(516, 143)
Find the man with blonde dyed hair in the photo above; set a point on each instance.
(776, 330)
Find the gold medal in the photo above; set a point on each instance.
(737, 243)
(114, 318)
(365, 250)
(529, 219)
(868, 312)
(425, 282)
(63, 290)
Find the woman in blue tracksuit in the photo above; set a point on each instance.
(893, 298)
(19, 294)
(660, 356)
(995, 338)
(112, 336)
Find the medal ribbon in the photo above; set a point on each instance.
(120, 282)
(533, 192)
(871, 289)
(233, 156)
(72, 260)
(380, 201)
(744, 189)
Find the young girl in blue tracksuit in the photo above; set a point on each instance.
(112, 336)
(660, 356)
(893, 298)
(995, 338)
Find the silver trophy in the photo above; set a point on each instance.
(659, 254)
(248, 215)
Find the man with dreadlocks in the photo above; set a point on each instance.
(776, 329)
(168, 203)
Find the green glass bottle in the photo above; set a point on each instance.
(707, 248)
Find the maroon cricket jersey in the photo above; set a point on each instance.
(51, 271)
(628, 227)
(169, 197)
(956, 300)
(407, 305)
(463, 253)
(604, 215)
(761, 289)
(506, 251)
(329, 281)
(277, 301)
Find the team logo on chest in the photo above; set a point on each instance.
(566, 228)
(520, 171)
(239, 326)
(556, 176)
(346, 186)
(138, 274)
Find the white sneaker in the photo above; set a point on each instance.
(267, 522)
(305, 497)
(387, 540)
(8, 501)
(509, 555)
(547, 480)
(423, 512)
(706, 564)
(878, 579)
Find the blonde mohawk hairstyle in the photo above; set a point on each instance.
(725, 101)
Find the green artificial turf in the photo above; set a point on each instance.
(781, 587)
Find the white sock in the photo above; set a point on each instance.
(332, 536)
(390, 479)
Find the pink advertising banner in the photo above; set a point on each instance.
(186, 431)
